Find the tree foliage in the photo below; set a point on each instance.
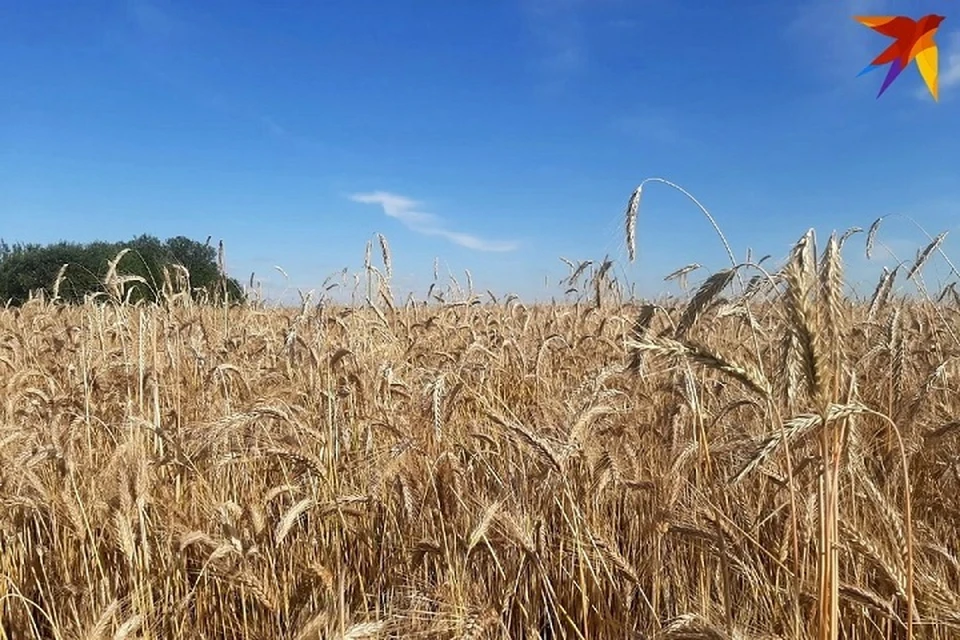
(26, 268)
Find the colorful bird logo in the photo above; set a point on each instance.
(914, 41)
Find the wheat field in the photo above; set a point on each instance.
(769, 458)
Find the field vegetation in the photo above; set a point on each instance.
(770, 458)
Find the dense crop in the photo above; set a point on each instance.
(766, 464)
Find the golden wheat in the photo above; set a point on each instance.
(460, 470)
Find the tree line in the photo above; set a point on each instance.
(153, 266)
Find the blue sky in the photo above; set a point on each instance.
(495, 135)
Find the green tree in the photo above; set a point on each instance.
(27, 268)
(199, 259)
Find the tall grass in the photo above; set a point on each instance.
(771, 460)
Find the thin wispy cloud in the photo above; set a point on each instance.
(281, 132)
(949, 77)
(164, 39)
(154, 20)
(408, 212)
(950, 74)
(651, 126)
(274, 127)
(830, 42)
(557, 32)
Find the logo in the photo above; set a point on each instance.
(913, 42)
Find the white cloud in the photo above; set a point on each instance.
(950, 68)
(407, 212)
(399, 207)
